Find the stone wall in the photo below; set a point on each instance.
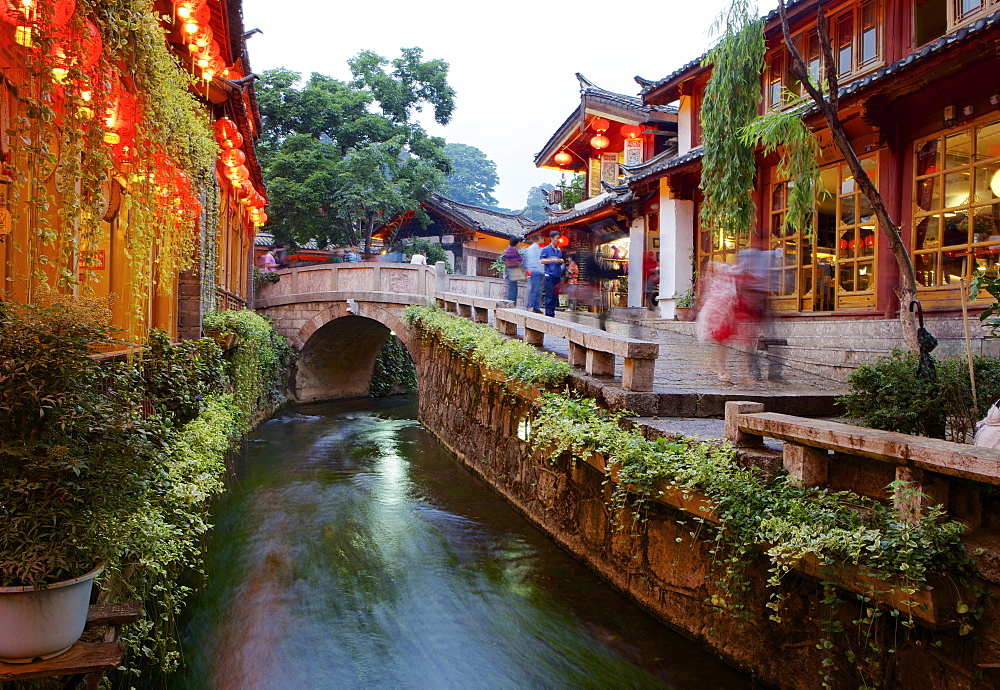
(658, 562)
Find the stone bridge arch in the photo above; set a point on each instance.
(337, 337)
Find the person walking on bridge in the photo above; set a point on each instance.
(552, 260)
(533, 264)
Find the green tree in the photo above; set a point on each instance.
(573, 192)
(536, 203)
(473, 176)
(338, 155)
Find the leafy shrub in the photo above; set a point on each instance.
(886, 394)
(394, 369)
(179, 377)
(484, 345)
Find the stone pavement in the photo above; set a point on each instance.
(685, 370)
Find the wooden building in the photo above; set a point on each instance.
(606, 135)
(128, 161)
(473, 237)
(920, 99)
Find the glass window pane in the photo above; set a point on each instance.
(927, 157)
(865, 211)
(926, 268)
(928, 194)
(870, 166)
(958, 150)
(988, 141)
(847, 210)
(956, 189)
(869, 33)
(953, 266)
(929, 232)
(846, 277)
(866, 242)
(848, 246)
(845, 44)
(956, 230)
(969, 6)
(778, 196)
(866, 271)
(987, 181)
(986, 224)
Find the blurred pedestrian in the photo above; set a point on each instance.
(267, 263)
(535, 270)
(418, 259)
(650, 278)
(988, 428)
(717, 318)
(552, 260)
(353, 255)
(515, 269)
(338, 256)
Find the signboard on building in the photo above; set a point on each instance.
(594, 178)
(633, 151)
(609, 168)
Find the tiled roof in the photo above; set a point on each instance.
(266, 239)
(660, 163)
(617, 195)
(485, 220)
(593, 93)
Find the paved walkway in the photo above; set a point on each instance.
(686, 365)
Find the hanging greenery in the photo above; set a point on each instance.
(731, 101)
(106, 103)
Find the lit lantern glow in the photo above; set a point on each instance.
(235, 142)
(600, 142)
(23, 12)
(995, 183)
(225, 129)
(600, 125)
(233, 158)
(24, 37)
(630, 132)
(563, 241)
(562, 158)
(238, 174)
(112, 138)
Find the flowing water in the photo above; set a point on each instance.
(354, 551)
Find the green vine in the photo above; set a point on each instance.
(483, 345)
(731, 101)
(774, 520)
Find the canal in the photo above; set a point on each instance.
(353, 550)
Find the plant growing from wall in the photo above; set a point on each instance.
(484, 345)
(755, 518)
(394, 371)
(259, 364)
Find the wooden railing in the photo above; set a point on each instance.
(225, 300)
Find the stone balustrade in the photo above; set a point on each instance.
(593, 349)
(470, 306)
(815, 451)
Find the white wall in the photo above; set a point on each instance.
(685, 125)
(676, 245)
(636, 250)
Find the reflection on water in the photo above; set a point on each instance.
(354, 551)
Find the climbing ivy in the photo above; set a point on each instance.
(258, 366)
(731, 101)
(484, 345)
(394, 370)
(756, 518)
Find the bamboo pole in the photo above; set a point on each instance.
(968, 349)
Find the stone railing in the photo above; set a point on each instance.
(471, 306)
(594, 350)
(830, 454)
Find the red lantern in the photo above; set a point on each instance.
(239, 174)
(563, 158)
(600, 142)
(600, 125)
(233, 157)
(234, 142)
(563, 241)
(20, 12)
(630, 132)
(200, 39)
(91, 43)
(225, 129)
(870, 241)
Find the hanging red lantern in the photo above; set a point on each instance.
(200, 39)
(91, 43)
(600, 125)
(600, 142)
(563, 241)
(234, 142)
(870, 241)
(238, 174)
(22, 12)
(563, 158)
(233, 157)
(630, 132)
(225, 129)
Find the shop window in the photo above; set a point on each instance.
(775, 80)
(713, 246)
(956, 211)
(830, 265)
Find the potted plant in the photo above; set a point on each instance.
(684, 305)
(77, 458)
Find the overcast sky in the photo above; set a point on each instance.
(512, 62)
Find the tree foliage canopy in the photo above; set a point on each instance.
(473, 176)
(338, 155)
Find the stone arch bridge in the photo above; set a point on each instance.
(338, 317)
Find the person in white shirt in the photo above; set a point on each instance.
(533, 265)
(418, 259)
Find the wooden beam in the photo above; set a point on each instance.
(82, 657)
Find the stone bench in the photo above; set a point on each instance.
(470, 306)
(920, 463)
(593, 349)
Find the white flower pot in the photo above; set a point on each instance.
(43, 623)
